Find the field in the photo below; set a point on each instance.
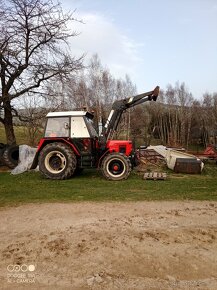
(110, 245)
(31, 187)
(89, 233)
(20, 133)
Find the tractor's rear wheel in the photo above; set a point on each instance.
(57, 161)
(116, 166)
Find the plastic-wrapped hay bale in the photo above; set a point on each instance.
(26, 156)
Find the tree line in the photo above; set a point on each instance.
(178, 119)
(39, 74)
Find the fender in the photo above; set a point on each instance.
(101, 158)
(44, 141)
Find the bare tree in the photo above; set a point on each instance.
(95, 88)
(33, 39)
(174, 115)
(33, 119)
(209, 118)
(124, 88)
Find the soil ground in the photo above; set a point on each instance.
(131, 245)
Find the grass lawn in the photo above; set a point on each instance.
(21, 134)
(31, 187)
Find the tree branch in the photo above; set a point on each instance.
(37, 85)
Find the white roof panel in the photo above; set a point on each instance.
(68, 113)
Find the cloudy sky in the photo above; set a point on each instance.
(155, 42)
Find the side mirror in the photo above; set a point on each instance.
(66, 126)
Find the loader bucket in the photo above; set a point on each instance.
(156, 93)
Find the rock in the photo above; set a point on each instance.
(170, 278)
(98, 279)
(90, 281)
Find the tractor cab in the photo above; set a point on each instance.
(72, 124)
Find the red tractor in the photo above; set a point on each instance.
(71, 143)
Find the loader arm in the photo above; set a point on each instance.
(120, 106)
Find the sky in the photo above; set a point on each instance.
(155, 42)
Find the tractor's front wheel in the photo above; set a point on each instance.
(57, 161)
(116, 166)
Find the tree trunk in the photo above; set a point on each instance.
(8, 124)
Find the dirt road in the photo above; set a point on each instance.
(142, 245)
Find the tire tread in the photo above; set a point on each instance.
(120, 156)
(71, 161)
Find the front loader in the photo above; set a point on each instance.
(71, 143)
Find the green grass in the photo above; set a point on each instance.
(2, 134)
(31, 187)
(20, 134)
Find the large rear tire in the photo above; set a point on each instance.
(10, 156)
(57, 161)
(116, 166)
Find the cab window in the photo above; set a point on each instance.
(57, 127)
